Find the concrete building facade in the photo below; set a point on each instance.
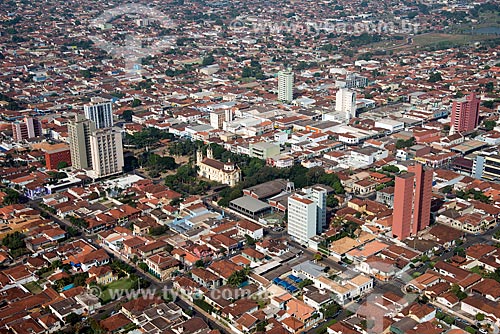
(465, 114)
(79, 131)
(306, 214)
(99, 111)
(28, 128)
(107, 152)
(345, 103)
(285, 86)
(412, 202)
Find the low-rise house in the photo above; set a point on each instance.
(162, 266)
(63, 308)
(101, 275)
(251, 229)
(478, 304)
(448, 299)
(315, 297)
(488, 288)
(205, 278)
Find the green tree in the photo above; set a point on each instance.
(127, 115)
(135, 103)
(86, 74)
(435, 77)
(332, 201)
(62, 165)
(330, 310)
(143, 266)
(305, 283)
(14, 241)
(199, 264)
(480, 317)
(489, 87)
(12, 197)
(250, 241)
(238, 277)
(72, 318)
(489, 125)
(208, 60)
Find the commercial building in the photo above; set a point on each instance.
(412, 202)
(100, 111)
(56, 155)
(345, 103)
(28, 128)
(486, 165)
(79, 131)
(264, 150)
(107, 152)
(465, 114)
(285, 86)
(306, 214)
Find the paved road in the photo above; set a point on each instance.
(325, 261)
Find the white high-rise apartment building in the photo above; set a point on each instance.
(107, 152)
(99, 111)
(306, 214)
(345, 103)
(285, 86)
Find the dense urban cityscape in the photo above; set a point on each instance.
(217, 166)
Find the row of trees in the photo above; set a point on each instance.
(149, 137)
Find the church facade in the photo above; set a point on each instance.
(218, 171)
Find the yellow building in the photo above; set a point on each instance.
(215, 170)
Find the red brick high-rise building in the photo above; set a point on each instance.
(412, 202)
(465, 114)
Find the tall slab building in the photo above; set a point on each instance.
(412, 202)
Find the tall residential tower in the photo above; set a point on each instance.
(79, 131)
(412, 202)
(107, 152)
(465, 114)
(306, 214)
(285, 86)
(345, 103)
(100, 111)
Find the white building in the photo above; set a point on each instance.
(345, 103)
(390, 124)
(285, 86)
(100, 111)
(306, 214)
(107, 152)
(215, 170)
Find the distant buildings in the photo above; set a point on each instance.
(79, 131)
(352, 80)
(285, 86)
(306, 214)
(465, 114)
(100, 111)
(28, 128)
(412, 202)
(215, 170)
(345, 103)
